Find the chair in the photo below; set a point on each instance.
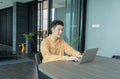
(38, 60)
(116, 57)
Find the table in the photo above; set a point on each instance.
(101, 68)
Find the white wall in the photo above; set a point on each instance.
(106, 14)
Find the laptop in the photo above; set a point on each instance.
(88, 55)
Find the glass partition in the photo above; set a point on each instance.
(69, 12)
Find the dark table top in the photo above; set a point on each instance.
(101, 68)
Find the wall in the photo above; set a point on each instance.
(24, 21)
(16, 20)
(32, 22)
(60, 13)
(20, 24)
(105, 16)
(6, 26)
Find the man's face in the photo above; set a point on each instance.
(57, 31)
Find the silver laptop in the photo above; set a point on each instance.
(88, 55)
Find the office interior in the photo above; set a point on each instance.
(88, 23)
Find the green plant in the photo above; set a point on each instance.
(75, 41)
(41, 33)
(28, 36)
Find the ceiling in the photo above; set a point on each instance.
(8, 3)
(58, 3)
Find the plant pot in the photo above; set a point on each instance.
(28, 46)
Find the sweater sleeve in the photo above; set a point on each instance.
(69, 50)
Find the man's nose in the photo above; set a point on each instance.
(61, 32)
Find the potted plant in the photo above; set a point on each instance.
(28, 37)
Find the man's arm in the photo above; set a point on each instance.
(47, 56)
(69, 50)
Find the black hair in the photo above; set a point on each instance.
(56, 22)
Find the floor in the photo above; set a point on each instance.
(24, 70)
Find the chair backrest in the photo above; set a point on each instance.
(38, 58)
(116, 56)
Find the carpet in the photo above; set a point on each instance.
(20, 59)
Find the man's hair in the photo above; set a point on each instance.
(56, 22)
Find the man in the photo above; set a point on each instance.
(53, 47)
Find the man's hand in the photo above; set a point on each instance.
(79, 56)
(73, 58)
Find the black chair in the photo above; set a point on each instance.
(38, 60)
(116, 57)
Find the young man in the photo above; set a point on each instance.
(53, 47)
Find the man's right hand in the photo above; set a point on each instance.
(73, 58)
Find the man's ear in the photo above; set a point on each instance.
(52, 29)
